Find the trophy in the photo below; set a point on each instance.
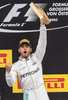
(40, 13)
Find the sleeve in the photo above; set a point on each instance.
(42, 42)
(11, 76)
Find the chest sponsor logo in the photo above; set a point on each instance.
(30, 73)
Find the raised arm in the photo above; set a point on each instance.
(42, 42)
(11, 75)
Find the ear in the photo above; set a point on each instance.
(19, 50)
(31, 50)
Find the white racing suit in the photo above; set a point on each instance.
(29, 71)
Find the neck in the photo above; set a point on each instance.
(25, 57)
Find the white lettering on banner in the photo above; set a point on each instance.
(57, 9)
(10, 25)
(62, 13)
(60, 4)
(54, 19)
(14, 12)
(52, 13)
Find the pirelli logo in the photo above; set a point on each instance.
(55, 80)
(5, 57)
(53, 83)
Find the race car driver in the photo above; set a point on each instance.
(28, 69)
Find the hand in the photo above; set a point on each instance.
(8, 67)
(41, 21)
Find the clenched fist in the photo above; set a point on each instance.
(8, 67)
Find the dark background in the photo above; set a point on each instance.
(56, 58)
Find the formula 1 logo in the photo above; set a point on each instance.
(18, 17)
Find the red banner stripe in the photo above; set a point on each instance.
(54, 79)
(3, 54)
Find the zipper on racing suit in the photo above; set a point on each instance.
(31, 77)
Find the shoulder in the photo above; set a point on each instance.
(34, 55)
(16, 64)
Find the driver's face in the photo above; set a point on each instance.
(25, 50)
